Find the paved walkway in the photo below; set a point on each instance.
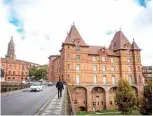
(56, 106)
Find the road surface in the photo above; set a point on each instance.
(26, 103)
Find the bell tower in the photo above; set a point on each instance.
(11, 50)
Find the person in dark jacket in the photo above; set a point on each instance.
(60, 87)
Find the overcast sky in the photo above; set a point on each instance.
(40, 26)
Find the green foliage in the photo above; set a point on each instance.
(146, 101)
(38, 73)
(125, 98)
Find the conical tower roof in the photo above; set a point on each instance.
(119, 42)
(73, 35)
(135, 46)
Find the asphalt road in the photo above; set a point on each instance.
(26, 103)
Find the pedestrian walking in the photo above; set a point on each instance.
(60, 87)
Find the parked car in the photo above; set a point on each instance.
(36, 87)
(50, 84)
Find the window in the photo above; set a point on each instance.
(77, 79)
(102, 103)
(3, 66)
(68, 56)
(9, 77)
(94, 58)
(129, 59)
(23, 67)
(113, 79)
(129, 68)
(13, 77)
(103, 59)
(95, 79)
(77, 48)
(9, 72)
(104, 68)
(14, 66)
(10, 66)
(111, 103)
(13, 72)
(128, 52)
(130, 79)
(138, 68)
(112, 60)
(104, 79)
(68, 47)
(94, 67)
(77, 57)
(75, 101)
(137, 59)
(113, 68)
(77, 67)
(26, 73)
(68, 66)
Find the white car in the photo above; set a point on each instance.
(36, 87)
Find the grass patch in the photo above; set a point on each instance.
(106, 112)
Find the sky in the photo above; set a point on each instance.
(39, 27)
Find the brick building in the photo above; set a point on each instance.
(147, 73)
(92, 72)
(14, 69)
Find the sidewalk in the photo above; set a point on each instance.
(56, 106)
(14, 92)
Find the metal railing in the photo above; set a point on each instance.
(71, 108)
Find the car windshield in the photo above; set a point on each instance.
(35, 84)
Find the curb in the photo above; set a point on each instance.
(13, 92)
(45, 104)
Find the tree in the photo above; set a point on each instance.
(146, 101)
(38, 73)
(125, 98)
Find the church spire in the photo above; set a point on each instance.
(11, 49)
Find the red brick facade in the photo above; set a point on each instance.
(92, 72)
(14, 69)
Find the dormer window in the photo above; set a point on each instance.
(128, 52)
(77, 48)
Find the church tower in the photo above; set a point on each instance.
(11, 50)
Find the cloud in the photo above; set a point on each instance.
(13, 17)
(47, 37)
(144, 19)
(142, 3)
(109, 32)
(7, 1)
(40, 26)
